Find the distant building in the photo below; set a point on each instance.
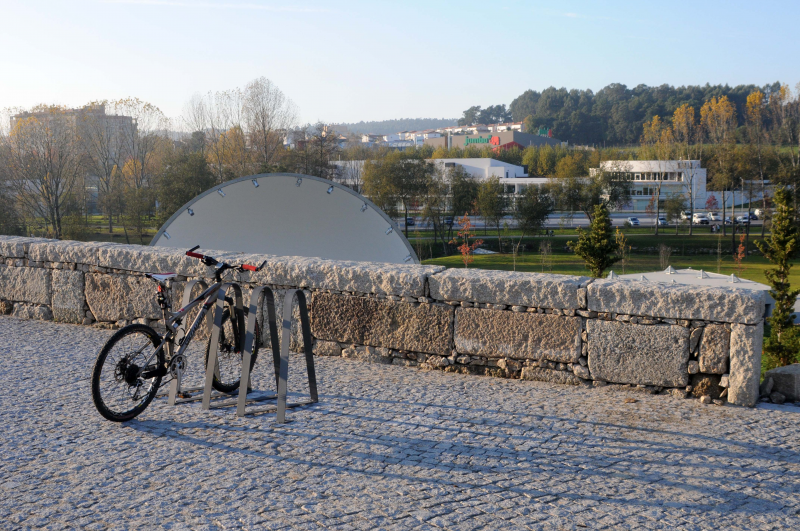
(674, 176)
(492, 138)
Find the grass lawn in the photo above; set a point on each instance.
(569, 264)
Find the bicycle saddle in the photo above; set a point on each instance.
(161, 277)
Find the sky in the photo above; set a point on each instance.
(374, 60)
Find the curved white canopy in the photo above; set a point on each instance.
(287, 214)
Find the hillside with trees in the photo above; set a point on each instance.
(613, 116)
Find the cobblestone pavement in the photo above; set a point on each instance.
(387, 448)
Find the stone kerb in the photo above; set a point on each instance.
(676, 301)
(509, 288)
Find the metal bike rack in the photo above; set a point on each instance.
(214, 325)
(282, 361)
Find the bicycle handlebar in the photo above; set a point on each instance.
(210, 261)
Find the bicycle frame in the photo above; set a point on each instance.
(173, 322)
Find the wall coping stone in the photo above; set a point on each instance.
(512, 288)
(17, 246)
(676, 301)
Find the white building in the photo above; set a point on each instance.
(684, 177)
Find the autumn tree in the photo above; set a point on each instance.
(657, 142)
(42, 157)
(784, 114)
(220, 115)
(718, 118)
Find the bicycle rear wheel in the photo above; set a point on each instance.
(120, 388)
(229, 354)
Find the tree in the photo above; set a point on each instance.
(718, 118)
(491, 203)
(597, 247)
(43, 161)
(531, 212)
(532, 209)
(674, 205)
(582, 193)
(185, 176)
(685, 133)
(657, 142)
(269, 115)
(785, 117)
(397, 178)
(316, 147)
(780, 248)
(143, 148)
(463, 192)
(466, 248)
(10, 222)
(102, 142)
(754, 115)
(435, 209)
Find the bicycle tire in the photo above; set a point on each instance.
(229, 355)
(118, 373)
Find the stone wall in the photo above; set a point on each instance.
(677, 339)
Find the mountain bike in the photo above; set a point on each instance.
(130, 367)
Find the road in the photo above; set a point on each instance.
(556, 221)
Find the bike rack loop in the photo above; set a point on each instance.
(282, 362)
(212, 363)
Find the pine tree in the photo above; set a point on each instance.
(597, 247)
(780, 247)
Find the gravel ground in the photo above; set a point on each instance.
(386, 448)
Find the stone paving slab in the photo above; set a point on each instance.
(387, 448)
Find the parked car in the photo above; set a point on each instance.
(410, 222)
(758, 212)
(753, 216)
(685, 215)
(727, 220)
(448, 221)
(633, 221)
(662, 222)
(700, 219)
(714, 216)
(743, 219)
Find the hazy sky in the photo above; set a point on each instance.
(349, 61)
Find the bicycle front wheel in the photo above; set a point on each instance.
(229, 354)
(125, 379)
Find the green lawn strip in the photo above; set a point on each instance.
(568, 264)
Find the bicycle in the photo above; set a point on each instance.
(131, 365)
